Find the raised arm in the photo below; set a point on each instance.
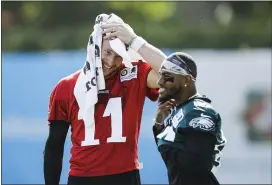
(152, 55)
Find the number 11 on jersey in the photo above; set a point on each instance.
(113, 109)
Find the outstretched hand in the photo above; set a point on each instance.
(121, 30)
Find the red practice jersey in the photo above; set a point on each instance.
(112, 144)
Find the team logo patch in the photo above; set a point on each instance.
(124, 72)
(128, 74)
(202, 123)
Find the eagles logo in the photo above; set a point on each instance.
(202, 123)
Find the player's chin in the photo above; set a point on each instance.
(109, 73)
(163, 97)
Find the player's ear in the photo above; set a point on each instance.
(187, 80)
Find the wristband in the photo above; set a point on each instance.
(137, 43)
(157, 123)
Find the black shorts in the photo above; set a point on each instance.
(127, 178)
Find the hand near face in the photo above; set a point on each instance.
(121, 30)
(164, 110)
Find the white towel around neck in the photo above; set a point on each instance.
(91, 78)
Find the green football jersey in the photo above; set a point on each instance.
(197, 114)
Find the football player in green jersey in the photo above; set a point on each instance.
(187, 128)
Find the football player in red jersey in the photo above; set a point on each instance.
(117, 112)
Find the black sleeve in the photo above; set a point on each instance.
(196, 156)
(53, 152)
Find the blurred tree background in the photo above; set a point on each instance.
(34, 26)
